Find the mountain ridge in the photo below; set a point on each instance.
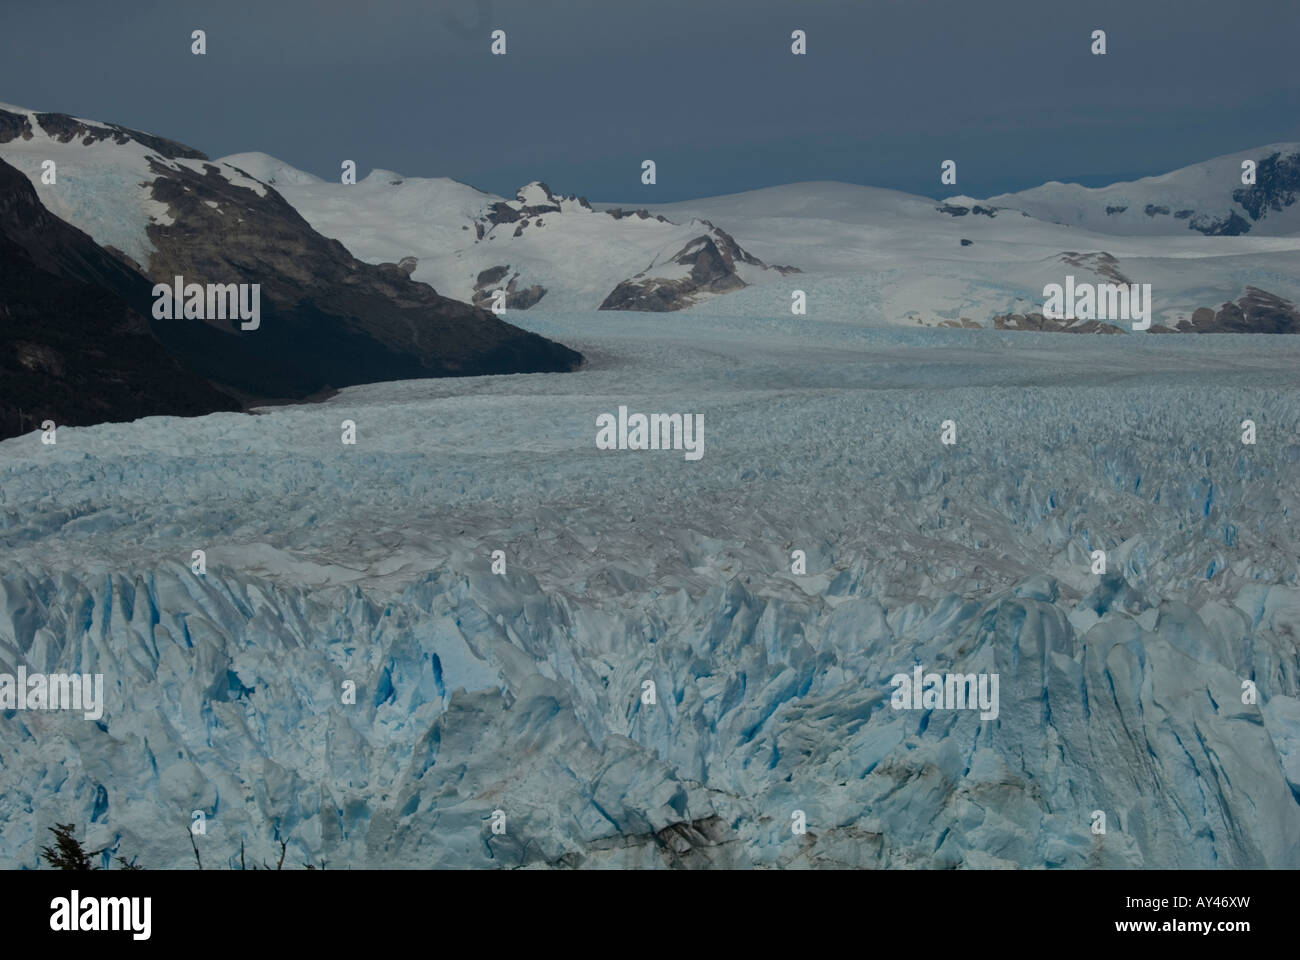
(328, 319)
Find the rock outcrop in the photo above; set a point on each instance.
(517, 298)
(709, 264)
(1257, 312)
(1042, 324)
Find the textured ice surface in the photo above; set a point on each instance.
(478, 692)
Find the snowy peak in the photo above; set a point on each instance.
(381, 176)
(171, 212)
(513, 253)
(270, 170)
(538, 196)
(18, 123)
(710, 264)
(100, 177)
(531, 200)
(1213, 198)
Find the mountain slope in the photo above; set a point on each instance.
(866, 255)
(327, 319)
(564, 253)
(1208, 198)
(879, 257)
(77, 349)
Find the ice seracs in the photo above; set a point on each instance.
(520, 687)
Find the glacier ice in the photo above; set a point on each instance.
(521, 692)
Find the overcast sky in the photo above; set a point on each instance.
(708, 89)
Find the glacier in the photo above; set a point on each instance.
(521, 692)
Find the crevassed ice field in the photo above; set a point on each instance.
(475, 692)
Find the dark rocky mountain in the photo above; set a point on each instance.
(76, 347)
(64, 129)
(711, 258)
(327, 319)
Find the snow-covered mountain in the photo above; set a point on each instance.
(77, 348)
(1208, 198)
(861, 253)
(394, 645)
(534, 245)
(886, 258)
(327, 319)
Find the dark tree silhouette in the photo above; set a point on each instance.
(67, 852)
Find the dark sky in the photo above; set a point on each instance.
(706, 88)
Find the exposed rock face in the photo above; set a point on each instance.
(1276, 187)
(960, 210)
(1101, 263)
(491, 275)
(80, 352)
(502, 212)
(705, 266)
(64, 129)
(1230, 226)
(14, 126)
(489, 281)
(561, 252)
(1036, 321)
(618, 213)
(1257, 312)
(709, 263)
(531, 200)
(328, 319)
